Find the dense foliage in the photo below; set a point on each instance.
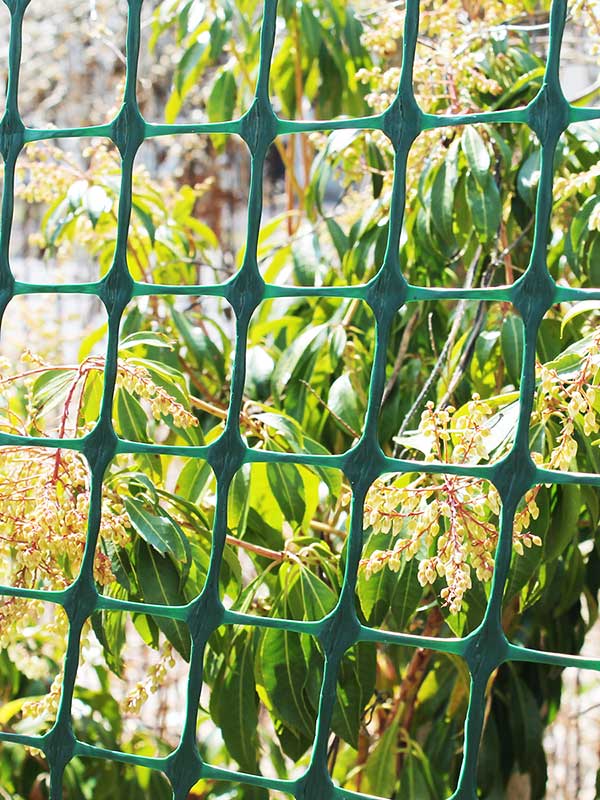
(452, 395)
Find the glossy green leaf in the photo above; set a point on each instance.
(131, 419)
(160, 585)
(563, 525)
(238, 500)
(237, 714)
(284, 672)
(478, 157)
(344, 405)
(380, 772)
(512, 341)
(287, 486)
(483, 199)
(222, 99)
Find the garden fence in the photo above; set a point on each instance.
(532, 295)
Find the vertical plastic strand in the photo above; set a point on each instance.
(267, 43)
(132, 52)
(15, 45)
(11, 142)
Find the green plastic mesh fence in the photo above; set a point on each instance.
(484, 649)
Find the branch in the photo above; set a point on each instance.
(437, 367)
(265, 552)
(469, 350)
(402, 350)
(344, 425)
(414, 677)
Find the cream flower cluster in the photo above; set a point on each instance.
(136, 380)
(46, 707)
(457, 438)
(22, 623)
(154, 680)
(44, 501)
(570, 399)
(449, 522)
(449, 514)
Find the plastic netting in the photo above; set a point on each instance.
(532, 295)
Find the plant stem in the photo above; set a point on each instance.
(402, 350)
(441, 361)
(413, 678)
(299, 83)
(265, 552)
(325, 528)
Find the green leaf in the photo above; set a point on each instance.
(238, 501)
(578, 232)
(442, 196)
(380, 772)
(193, 479)
(310, 31)
(160, 532)
(237, 715)
(91, 340)
(188, 63)
(338, 237)
(374, 593)
(318, 599)
(131, 419)
(355, 686)
(337, 343)
(120, 565)
(284, 673)
(298, 442)
(593, 260)
(287, 486)
(532, 78)
(50, 388)
(146, 338)
(343, 402)
(484, 203)
(146, 220)
(109, 627)
(222, 99)
(259, 368)
(397, 592)
(416, 780)
(522, 569)
(202, 349)
(584, 307)
(13, 707)
(472, 610)
(528, 179)
(160, 585)
(525, 722)
(512, 341)
(406, 594)
(564, 518)
(477, 154)
(298, 358)
(571, 585)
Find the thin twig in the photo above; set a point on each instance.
(469, 349)
(402, 350)
(325, 528)
(345, 425)
(265, 552)
(465, 358)
(437, 367)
